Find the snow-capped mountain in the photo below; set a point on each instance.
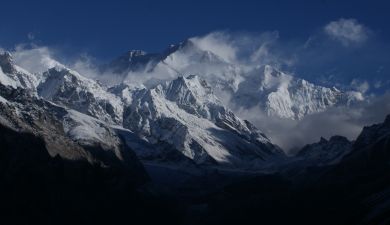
(180, 119)
(277, 93)
(186, 115)
(50, 113)
(67, 87)
(285, 96)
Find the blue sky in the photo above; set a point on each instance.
(106, 29)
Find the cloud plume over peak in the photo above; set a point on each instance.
(219, 43)
(250, 49)
(35, 59)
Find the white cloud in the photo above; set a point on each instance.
(347, 31)
(85, 65)
(218, 43)
(361, 86)
(34, 59)
(263, 52)
(249, 49)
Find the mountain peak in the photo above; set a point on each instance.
(323, 140)
(372, 133)
(188, 43)
(15, 76)
(6, 63)
(136, 52)
(184, 45)
(325, 152)
(133, 60)
(6, 54)
(59, 71)
(189, 89)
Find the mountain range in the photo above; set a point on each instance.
(171, 116)
(277, 93)
(146, 115)
(182, 118)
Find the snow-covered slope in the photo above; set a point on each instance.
(14, 76)
(184, 114)
(67, 87)
(277, 93)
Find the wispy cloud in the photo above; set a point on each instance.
(34, 58)
(251, 49)
(219, 44)
(347, 31)
(361, 86)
